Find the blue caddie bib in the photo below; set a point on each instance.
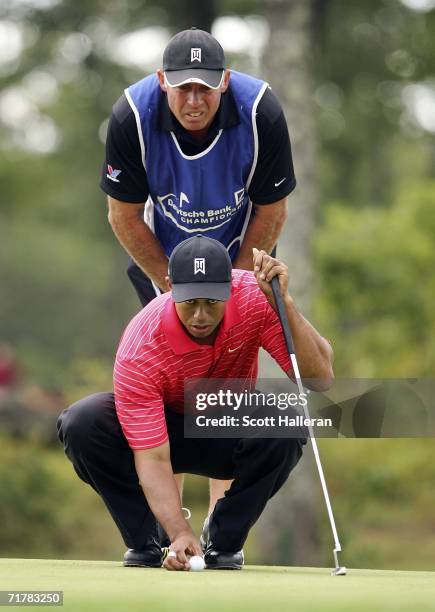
(204, 193)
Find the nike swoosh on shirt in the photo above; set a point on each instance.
(231, 350)
(281, 181)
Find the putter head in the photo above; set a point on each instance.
(339, 571)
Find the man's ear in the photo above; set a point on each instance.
(226, 81)
(161, 76)
(168, 283)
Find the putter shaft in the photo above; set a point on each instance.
(290, 347)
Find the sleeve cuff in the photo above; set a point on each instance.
(123, 197)
(277, 195)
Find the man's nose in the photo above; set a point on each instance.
(194, 97)
(200, 312)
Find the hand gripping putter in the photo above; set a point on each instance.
(339, 570)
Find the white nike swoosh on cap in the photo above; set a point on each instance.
(281, 181)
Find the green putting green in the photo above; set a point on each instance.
(95, 585)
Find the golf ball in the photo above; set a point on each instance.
(196, 563)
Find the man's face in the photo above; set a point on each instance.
(200, 317)
(194, 104)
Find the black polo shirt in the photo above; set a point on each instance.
(273, 178)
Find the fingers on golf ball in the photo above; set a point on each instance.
(196, 563)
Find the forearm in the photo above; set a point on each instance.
(314, 353)
(160, 489)
(141, 244)
(138, 240)
(262, 232)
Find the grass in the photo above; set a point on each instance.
(106, 585)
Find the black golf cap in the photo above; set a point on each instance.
(194, 56)
(200, 267)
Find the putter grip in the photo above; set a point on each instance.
(282, 314)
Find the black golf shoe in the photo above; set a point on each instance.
(215, 559)
(151, 556)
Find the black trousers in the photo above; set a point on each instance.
(95, 444)
(142, 284)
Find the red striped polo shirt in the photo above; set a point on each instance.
(156, 355)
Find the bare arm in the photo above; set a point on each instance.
(263, 231)
(154, 470)
(138, 240)
(314, 354)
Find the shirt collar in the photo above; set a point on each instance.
(227, 116)
(178, 338)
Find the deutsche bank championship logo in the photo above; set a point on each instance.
(199, 265)
(195, 54)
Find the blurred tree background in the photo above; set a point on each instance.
(357, 81)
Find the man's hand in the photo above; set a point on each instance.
(265, 268)
(185, 544)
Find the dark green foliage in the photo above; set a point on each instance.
(376, 291)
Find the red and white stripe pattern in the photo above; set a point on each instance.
(156, 356)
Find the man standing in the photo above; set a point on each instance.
(207, 149)
(129, 446)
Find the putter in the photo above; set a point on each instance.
(339, 570)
